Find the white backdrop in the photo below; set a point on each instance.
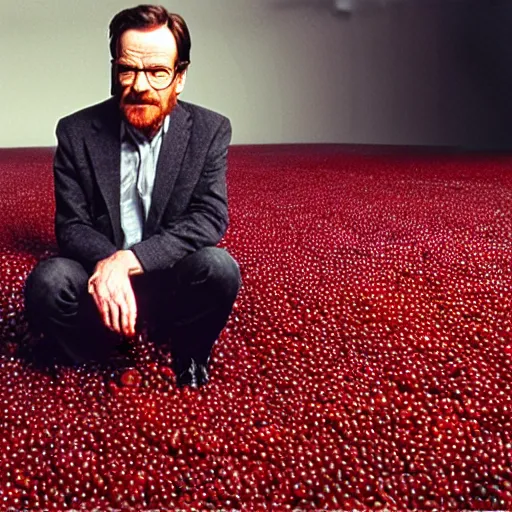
(401, 72)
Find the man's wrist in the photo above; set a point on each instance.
(134, 266)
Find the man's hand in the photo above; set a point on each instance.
(112, 291)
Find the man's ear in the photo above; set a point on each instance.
(113, 79)
(112, 87)
(180, 81)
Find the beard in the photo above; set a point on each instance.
(145, 112)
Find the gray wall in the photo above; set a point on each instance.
(422, 72)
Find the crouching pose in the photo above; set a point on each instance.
(140, 189)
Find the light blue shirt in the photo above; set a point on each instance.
(139, 157)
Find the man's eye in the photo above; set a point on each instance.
(159, 72)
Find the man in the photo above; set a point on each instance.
(141, 202)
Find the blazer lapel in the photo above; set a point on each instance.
(169, 164)
(104, 145)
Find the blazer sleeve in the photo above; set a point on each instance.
(205, 220)
(76, 237)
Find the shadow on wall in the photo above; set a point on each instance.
(323, 5)
(341, 8)
(488, 42)
(338, 8)
(474, 83)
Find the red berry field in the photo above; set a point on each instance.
(366, 363)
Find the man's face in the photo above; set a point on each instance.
(143, 106)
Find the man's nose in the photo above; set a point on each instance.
(140, 83)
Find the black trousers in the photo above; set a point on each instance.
(186, 306)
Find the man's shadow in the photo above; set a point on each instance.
(45, 355)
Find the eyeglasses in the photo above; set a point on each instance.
(158, 77)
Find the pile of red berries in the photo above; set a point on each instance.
(366, 363)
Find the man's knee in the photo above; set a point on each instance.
(216, 267)
(224, 270)
(51, 279)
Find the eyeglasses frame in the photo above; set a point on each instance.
(116, 64)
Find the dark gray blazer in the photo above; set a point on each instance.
(189, 205)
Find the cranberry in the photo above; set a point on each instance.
(366, 363)
(131, 378)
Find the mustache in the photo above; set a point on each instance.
(140, 100)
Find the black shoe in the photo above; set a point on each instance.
(185, 371)
(202, 374)
(191, 373)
